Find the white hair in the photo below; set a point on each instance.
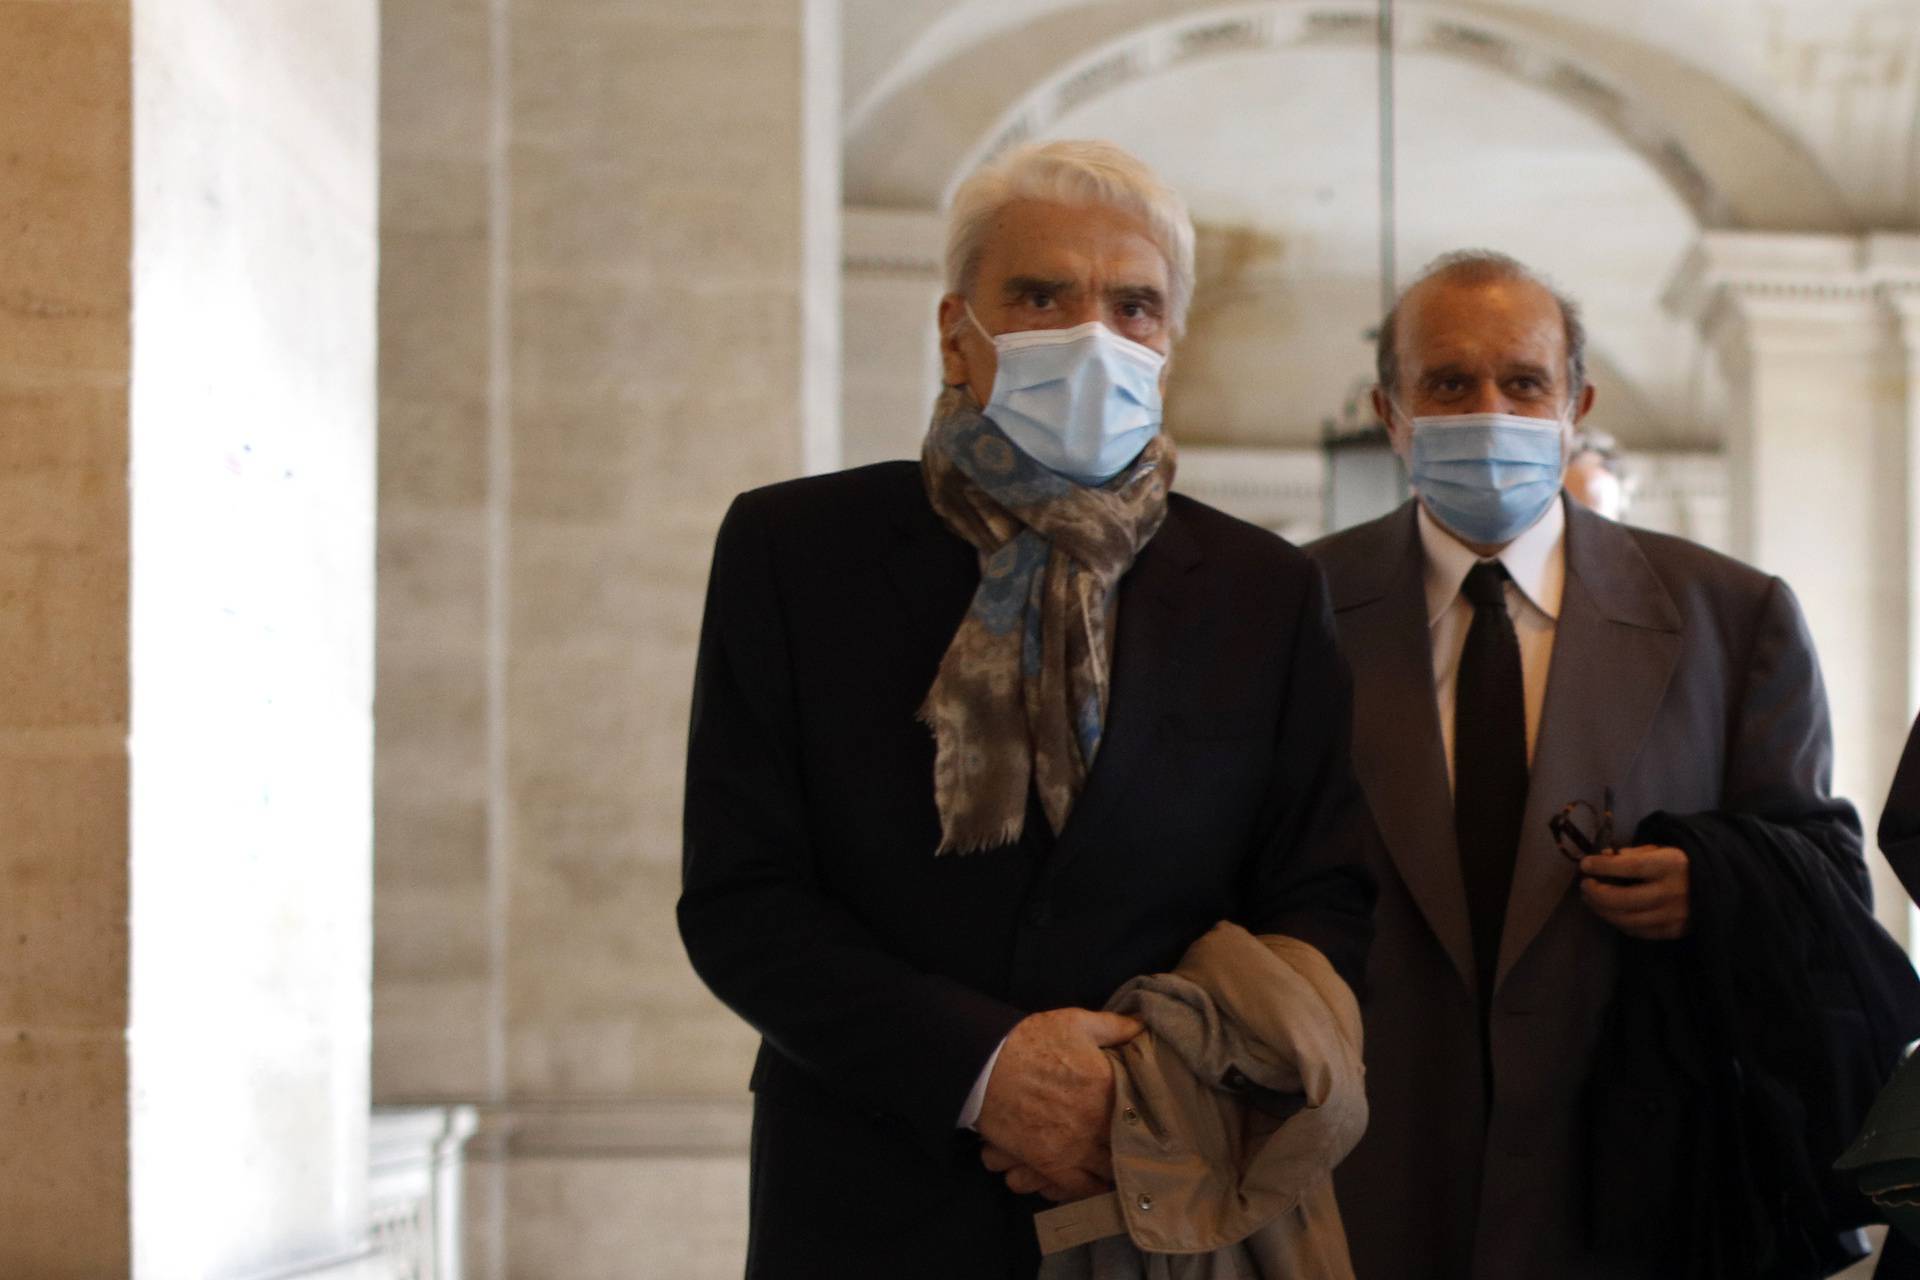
(1073, 173)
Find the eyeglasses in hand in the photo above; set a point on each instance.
(1582, 831)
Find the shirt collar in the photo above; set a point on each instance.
(1536, 561)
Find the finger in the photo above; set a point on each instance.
(1644, 895)
(1617, 866)
(1108, 1029)
(1617, 915)
(1641, 862)
(998, 1159)
(1024, 1180)
(1666, 917)
(1632, 899)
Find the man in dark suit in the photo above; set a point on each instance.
(1513, 653)
(977, 740)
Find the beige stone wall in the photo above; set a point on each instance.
(609, 303)
(65, 211)
(435, 814)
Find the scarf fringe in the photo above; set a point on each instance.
(950, 843)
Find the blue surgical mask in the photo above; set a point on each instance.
(1487, 477)
(1082, 401)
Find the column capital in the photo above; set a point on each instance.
(1801, 290)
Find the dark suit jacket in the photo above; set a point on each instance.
(1900, 820)
(881, 976)
(1687, 682)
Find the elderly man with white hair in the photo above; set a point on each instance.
(978, 739)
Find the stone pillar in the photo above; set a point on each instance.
(891, 293)
(1818, 423)
(66, 152)
(252, 426)
(1903, 298)
(186, 593)
(609, 303)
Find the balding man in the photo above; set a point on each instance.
(1514, 653)
(976, 740)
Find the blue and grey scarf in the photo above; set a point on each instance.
(1021, 697)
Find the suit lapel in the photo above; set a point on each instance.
(1614, 650)
(935, 572)
(1149, 654)
(1380, 599)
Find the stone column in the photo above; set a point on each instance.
(1818, 414)
(1903, 298)
(609, 303)
(66, 151)
(186, 594)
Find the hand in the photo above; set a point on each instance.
(1021, 1179)
(1050, 1101)
(1655, 906)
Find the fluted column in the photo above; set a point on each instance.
(1813, 379)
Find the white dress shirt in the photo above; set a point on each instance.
(977, 1096)
(1536, 562)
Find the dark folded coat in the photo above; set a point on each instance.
(1737, 1064)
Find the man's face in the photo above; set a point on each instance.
(1054, 266)
(1490, 346)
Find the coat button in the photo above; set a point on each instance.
(1145, 1202)
(1130, 1115)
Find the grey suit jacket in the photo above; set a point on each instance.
(1687, 682)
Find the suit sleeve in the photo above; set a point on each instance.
(1308, 877)
(761, 929)
(1780, 753)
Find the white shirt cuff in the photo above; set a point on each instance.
(977, 1097)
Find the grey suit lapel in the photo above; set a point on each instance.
(1614, 650)
(1380, 600)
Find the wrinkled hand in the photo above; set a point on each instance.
(1655, 906)
(1023, 1180)
(1049, 1103)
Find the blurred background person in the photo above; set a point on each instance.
(1594, 477)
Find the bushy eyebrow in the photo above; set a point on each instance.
(1019, 286)
(1146, 293)
(1435, 374)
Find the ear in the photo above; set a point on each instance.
(1584, 405)
(1399, 431)
(955, 368)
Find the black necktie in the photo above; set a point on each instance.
(1489, 762)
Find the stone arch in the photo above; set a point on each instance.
(1726, 160)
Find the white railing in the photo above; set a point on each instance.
(415, 1157)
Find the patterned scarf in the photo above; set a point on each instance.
(1022, 691)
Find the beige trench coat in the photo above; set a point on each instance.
(1230, 1112)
